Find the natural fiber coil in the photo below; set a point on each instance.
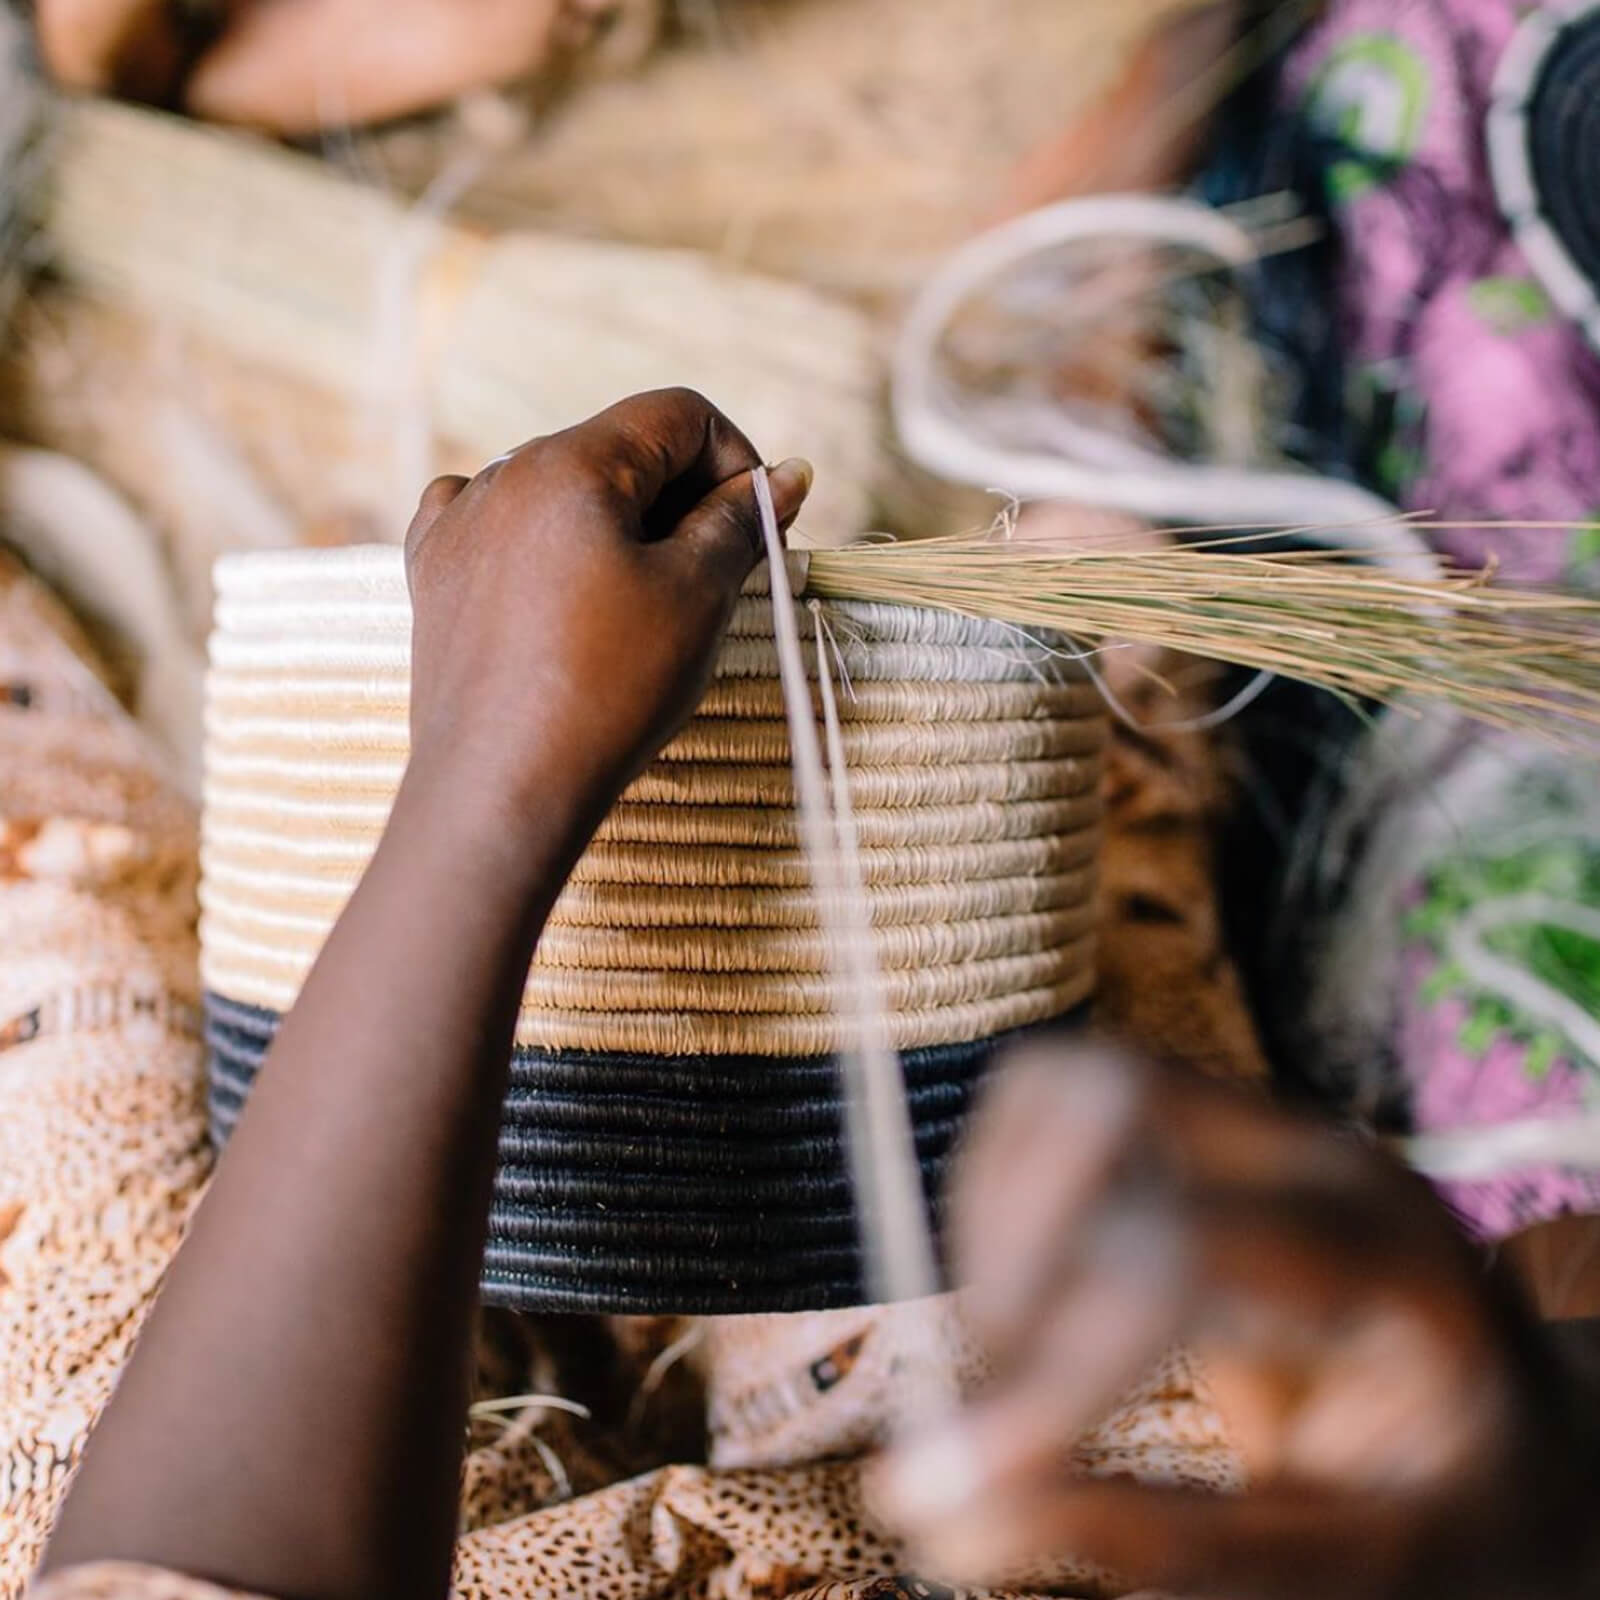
(288, 609)
(253, 955)
(653, 906)
(734, 872)
(1002, 657)
(290, 720)
(779, 952)
(311, 693)
(720, 1033)
(715, 783)
(973, 759)
(738, 740)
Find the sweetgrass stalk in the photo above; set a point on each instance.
(1522, 659)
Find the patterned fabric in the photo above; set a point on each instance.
(102, 1131)
(103, 1154)
(1488, 400)
(1500, 982)
(1487, 404)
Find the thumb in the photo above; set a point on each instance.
(724, 529)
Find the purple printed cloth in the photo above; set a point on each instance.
(1496, 400)
(1501, 395)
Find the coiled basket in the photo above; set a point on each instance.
(672, 1136)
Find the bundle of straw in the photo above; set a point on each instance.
(494, 338)
(844, 143)
(1522, 659)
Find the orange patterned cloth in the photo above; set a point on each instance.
(103, 1156)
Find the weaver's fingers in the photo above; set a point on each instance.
(1122, 1308)
(1262, 1546)
(1310, 1257)
(1400, 1378)
(126, 47)
(1206, 1131)
(722, 534)
(1045, 1142)
(295, 66)
(661, 452)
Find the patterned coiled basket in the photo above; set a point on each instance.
(672, 1137)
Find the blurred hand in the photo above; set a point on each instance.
(295, 66)
(1406, 1431)
(570, 599)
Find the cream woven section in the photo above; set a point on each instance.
(689, 925)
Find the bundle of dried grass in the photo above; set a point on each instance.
(1527, 660)
(483, 340)
(845, 143)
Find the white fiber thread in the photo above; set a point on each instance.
(1475, 1154)
(1098, 469)
(886, 1178)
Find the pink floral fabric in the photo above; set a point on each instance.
(1496, 395)
(1495, 401)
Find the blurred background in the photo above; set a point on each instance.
(275, 265)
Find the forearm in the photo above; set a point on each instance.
(291, 1420)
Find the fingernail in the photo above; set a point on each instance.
(791, 481)
(926, 1478)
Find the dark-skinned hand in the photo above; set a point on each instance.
(293, 67)
(569, 603)
(554, 620)
(1408, 1431)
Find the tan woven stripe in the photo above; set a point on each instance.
(328, 765)
(890, 904)
(296, 693)
(855, 624)
(237, 950)
(290, 812)
(349, 653)
(300, 728)
(688, 784)
(364, 783)
(609, 866)
(712, 1034)
(908, 662)
(631, 905)
(589, 955)
(331, 615)
(739, 866)
(718, 827)
(335, 607)
(880, 744)
(684, 1033)
(914, 703)
(363, 576)
(960, 824)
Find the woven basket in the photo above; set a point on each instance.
(671, 1139)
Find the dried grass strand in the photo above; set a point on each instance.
(1519, 658)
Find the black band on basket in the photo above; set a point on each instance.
(631, 1183)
